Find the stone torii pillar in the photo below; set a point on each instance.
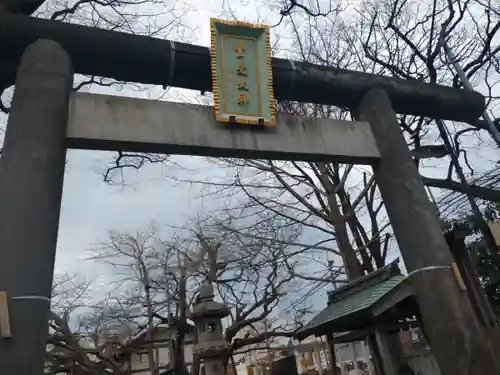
(31, 179)
(211, 347)
(460, 344)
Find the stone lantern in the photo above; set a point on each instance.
(212, 349)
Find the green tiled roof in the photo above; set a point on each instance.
(355, 302)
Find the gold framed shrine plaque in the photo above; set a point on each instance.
(242, 76)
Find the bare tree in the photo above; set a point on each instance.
(339, 204)
(397, 38)
(99, 337)
(248, 277)
(136, 255)
(155, 18)
(251, 282)
(77, 322)
(405, 39)
(247, 273)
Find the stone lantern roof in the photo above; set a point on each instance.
(207, 307)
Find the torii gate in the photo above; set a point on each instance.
(46, 119)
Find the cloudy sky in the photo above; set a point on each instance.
(91, 208)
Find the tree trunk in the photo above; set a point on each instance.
(351, 262)
(180, 367)
(153, 368)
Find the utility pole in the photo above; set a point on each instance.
(459, 342)
(31, 177)
(495, 134)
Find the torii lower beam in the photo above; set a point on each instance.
(103, 122)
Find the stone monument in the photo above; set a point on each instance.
(207, 314)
